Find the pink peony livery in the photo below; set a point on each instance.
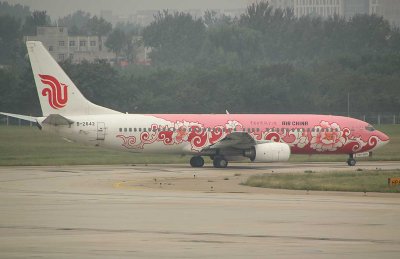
(301, 139)
(181, 133)
(233, 125)
(327, 137)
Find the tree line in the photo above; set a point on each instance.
(265, 61)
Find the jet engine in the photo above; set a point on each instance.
(268, 152)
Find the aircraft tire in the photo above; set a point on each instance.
(351, 162)
(220, 162)
(197, 161)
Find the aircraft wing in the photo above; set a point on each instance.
(238, 140)
(52, 119)
(18, 116)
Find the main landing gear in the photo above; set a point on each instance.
(197, 161)
(351, 161)
(218, 161)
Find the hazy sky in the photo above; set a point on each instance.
(59, 8)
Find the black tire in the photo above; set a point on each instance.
(197, 161)
(220, 162)
(351, 162)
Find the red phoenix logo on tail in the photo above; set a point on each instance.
(57, 93)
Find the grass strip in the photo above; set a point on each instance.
(359, 181)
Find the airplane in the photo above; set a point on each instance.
(222, 137)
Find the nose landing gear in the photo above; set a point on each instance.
(351, 161)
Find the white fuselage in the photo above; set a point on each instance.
(103, 131)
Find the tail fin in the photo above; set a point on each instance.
(57, 93)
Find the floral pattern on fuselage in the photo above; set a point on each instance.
(325, 137)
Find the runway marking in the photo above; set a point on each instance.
(123, 185)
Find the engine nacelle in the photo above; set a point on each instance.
(269, 152)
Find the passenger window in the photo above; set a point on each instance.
(130, 129)
(125, 129)
(120, 129)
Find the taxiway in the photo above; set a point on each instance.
(174, 211)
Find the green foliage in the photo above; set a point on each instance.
(77, 23)
(176, 38)
(116, 41)
(16, 11)
(265, 61)
(82, 23)
(365, 181)
(10, 35)
(98, 81)
(38, 18)
(18, 92)
(98, 26)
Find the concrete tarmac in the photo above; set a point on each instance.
(174, 211)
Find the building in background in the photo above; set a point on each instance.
(79, 48)
(281, 3)
(145, 17)
(76, 48)
(354, 7)
(388, 9)
(318, 8)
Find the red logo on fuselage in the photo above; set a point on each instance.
(57, 93)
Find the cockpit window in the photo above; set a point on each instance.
(369, 128)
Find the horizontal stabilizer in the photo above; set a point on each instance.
(18, 116)
(57, 119)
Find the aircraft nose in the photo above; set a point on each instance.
(383, 138)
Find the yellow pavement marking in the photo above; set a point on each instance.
(126, 185)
